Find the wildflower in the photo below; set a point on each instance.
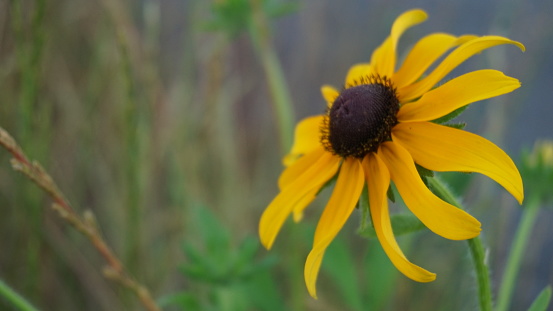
(376, 129)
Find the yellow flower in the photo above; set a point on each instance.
(374, 132)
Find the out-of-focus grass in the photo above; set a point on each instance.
(141, 114)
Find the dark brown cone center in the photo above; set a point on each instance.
(361, 118)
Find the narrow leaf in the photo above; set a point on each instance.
(542, 301)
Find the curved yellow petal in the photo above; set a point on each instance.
(357, 73)
(378, 180)
(441, 148)
(330, 94)
(296, 169)
(459, 92)
(306, 138)
(342, 202)
(313, 265)
(283, 204)
(425, 52)
(453, 60)
(383, 59)
(442, 218)
(297, 210)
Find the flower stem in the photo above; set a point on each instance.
(282, 104)
(529, 215)
(482, 273)
(475, 245)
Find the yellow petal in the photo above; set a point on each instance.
(424, 54)
(306, 138)
(453, 60)
(296, 169)
(441, 148)
(357, 73)
(330, 94)
(313, 265)
(461, 91)
(378, 180)
(282, 205)
(302, 204)
(342, 202)
(383, 59)
(441, 217)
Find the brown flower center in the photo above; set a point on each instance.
(361, 118)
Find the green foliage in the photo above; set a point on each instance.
(224, 277)
(401, 224)
(14, 299)
(234, 16)
(542, 301)
(450, 116)
(341, 266)
(537, 171)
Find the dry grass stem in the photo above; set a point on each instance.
(86, 223)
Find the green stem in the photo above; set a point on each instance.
(475, 245)
(529, 216)
(482, 273)
(14, 298)
(282, 104)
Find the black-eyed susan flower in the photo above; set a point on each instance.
(377, 128)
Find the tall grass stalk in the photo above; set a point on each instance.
(31, 119)
(132, 159)
(529, 217)
(282, 103)
(284, 113)
(14, 298)
(86, 223)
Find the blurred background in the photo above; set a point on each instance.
(157, 116)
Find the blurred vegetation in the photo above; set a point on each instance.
(159, 117)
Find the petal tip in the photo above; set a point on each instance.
(266, 243)
(520, 46)
(265, 238)
(431, 277)
(422, 15)
(520, 198)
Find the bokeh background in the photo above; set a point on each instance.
(156, 116)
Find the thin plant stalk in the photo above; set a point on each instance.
(29, 45)
(529, 216)
(132, 155)
(284, 114)
(86, 224)
(16, 300)
(476, 248)
(282, 103)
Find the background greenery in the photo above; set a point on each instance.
(157, 116)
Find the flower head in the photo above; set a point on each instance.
(377, 128)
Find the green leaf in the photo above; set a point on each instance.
(391, 195)
(542, 301)
(339, 263)
(186, 301)
(424, 171)
(458, 126)
(214, 235)
(401, 224)
(282, 9)
(365, 210)
(380, 277)
(450, 116)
